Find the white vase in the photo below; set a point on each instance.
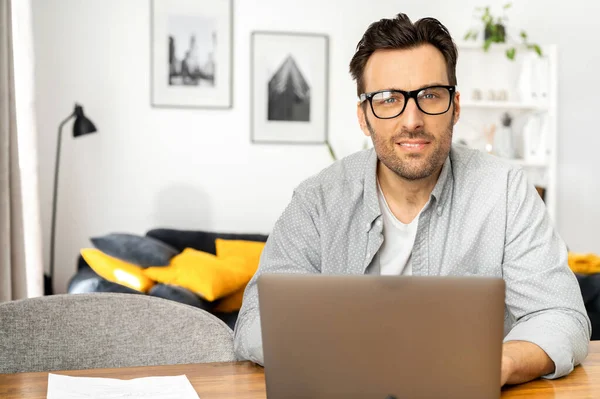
(541, 79)
(503, 139)
(535, 136)
(526, 88)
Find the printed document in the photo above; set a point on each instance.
(66, 387)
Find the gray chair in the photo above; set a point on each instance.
(105, 330)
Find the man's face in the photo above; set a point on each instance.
(413, 145)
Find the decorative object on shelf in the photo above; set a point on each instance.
(476, 96)
(489, 133)
(542, 79)
(81, 126)
(496, 95)
(494, 31)
(191, 47)
(503, 138)
(533, 83)
(289, 87)
(501, 95)
(462, 142)
(543, 150)
(535, 136)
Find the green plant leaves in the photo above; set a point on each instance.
(487, 17)
(471, 34)
(331, 152)
(487, 44)
(495, 31)
(510, 53)
(533, 47)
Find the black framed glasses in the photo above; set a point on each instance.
(388, 104)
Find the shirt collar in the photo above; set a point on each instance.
(443, 185)
(370, 189)
(438, 194)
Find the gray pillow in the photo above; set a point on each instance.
(140, 250)
(180, 294)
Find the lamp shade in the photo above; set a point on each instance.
(82, 124)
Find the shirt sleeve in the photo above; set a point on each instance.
(292, 247)
(542, 294)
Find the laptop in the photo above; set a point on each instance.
(381, 337)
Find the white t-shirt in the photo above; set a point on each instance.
(394, 256)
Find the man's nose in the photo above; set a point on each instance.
(412, 117)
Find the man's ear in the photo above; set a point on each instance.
(456, 107)
(362, 119)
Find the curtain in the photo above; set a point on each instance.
(21, 264)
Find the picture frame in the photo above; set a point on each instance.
(289, 78)
(191, 53)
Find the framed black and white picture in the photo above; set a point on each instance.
(289, 79)
(191, 47)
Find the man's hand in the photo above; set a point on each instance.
(507, 369)
(523, 361)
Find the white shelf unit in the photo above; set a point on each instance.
(506, 105)
(529, 164)
(490, 73)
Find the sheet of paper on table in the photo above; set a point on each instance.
(66, 387)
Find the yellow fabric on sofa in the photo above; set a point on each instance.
(208, 276)
(231, 303)
(116, 270)
(250, 251)
(584, 263)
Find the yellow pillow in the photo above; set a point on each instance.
(116, 270)
(231, 303)
(584, 263)
(249, 250)
(203, 273)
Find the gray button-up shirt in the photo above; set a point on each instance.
(483, 218)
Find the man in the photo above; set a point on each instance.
(416, 205)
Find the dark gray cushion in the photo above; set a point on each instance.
(200, 240)
(181, 295)
(228, 318)
(141, 250)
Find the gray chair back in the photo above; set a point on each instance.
(106, 330)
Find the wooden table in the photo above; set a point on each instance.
(246, 381)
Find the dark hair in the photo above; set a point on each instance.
(401, 33)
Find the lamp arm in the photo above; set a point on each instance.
(54, 194)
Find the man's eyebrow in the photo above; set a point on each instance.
(420, 88)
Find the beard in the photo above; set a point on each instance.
(413, 166)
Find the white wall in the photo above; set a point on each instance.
(188, 169)
(196, 169)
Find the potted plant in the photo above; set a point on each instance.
(494, 31)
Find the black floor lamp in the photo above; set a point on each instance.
(81, 127)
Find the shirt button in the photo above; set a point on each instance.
(368, 254)
(378, 223)
(368, 225)
(439, 209)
